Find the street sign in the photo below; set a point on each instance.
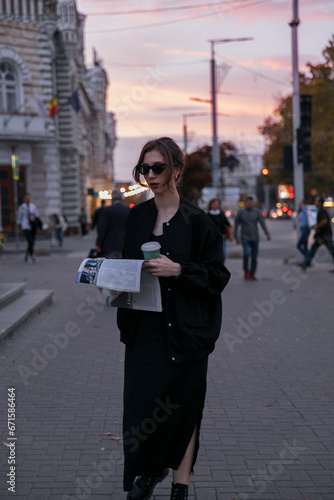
(16, 168)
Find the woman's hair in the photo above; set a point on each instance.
(171, 152)
(211, 202)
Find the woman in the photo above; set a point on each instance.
(219, 219)
(167, 353)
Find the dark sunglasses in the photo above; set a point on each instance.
(157, 168)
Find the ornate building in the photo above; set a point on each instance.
(53, 114)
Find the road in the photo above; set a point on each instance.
(267, 430)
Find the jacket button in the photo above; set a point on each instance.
(173, 359)
(167, 224)
(168, 289)
(169, 324)
(167, 253)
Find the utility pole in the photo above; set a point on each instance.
(298, 172)
(215, 148)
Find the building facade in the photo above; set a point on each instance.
(53, 116)
(241, 181)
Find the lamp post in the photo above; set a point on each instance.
(206, 101)
(215, 148)
(298, 172)
(185, 130)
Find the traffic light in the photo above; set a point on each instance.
(265, 171)
(304, 132)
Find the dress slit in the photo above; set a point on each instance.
(163, 403)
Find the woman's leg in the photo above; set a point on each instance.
(183, 473)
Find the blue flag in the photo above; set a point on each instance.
(74, 101)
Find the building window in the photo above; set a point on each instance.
(71, 11)
(65, 13)
(8, 87)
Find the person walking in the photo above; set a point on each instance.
(166, 355)
(110, 238)
(220, 220)
(304, 229)
(53, 229)
(97, 216)
(61, 226)
(28, 220)
(323, 234)
(83, 222)
(249, 218)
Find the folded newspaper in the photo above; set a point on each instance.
(128, 285)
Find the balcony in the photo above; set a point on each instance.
(25, 127)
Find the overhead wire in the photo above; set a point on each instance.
(161, 9)
(174, 21)
(201, 61)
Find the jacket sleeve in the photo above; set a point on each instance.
(263, 224)
(205, 273)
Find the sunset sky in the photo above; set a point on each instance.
(156, 60)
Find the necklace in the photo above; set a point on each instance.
(168, 214)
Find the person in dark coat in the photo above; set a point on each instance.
(220, 220)
(110, 239)
(323, 234)
(97, 217)
(166, 354)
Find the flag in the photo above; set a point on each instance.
(53, 107)
(74, 100)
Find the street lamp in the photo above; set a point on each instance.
(185, 132)
(215, 149)
(298, 172)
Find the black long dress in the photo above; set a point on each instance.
(163, 402)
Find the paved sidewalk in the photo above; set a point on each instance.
(267, 431)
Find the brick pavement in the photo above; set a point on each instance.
(267, 431)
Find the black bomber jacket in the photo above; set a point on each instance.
(192, 305)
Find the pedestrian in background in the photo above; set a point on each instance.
(220, 220)
(28, 220)
(97, 217)
(110, 238)
(53, 230)
(249, 218)
(323, 234)
(304, 229)
(61, 226)
(83, 222)
(166, 354)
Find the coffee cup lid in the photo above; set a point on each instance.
(151, 245)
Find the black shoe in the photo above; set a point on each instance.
(143, 487)
(179, 492)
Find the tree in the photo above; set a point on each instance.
(197, 173)
(277, 130)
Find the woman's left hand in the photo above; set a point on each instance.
(162, 267)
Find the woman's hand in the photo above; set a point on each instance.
(162, 267)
